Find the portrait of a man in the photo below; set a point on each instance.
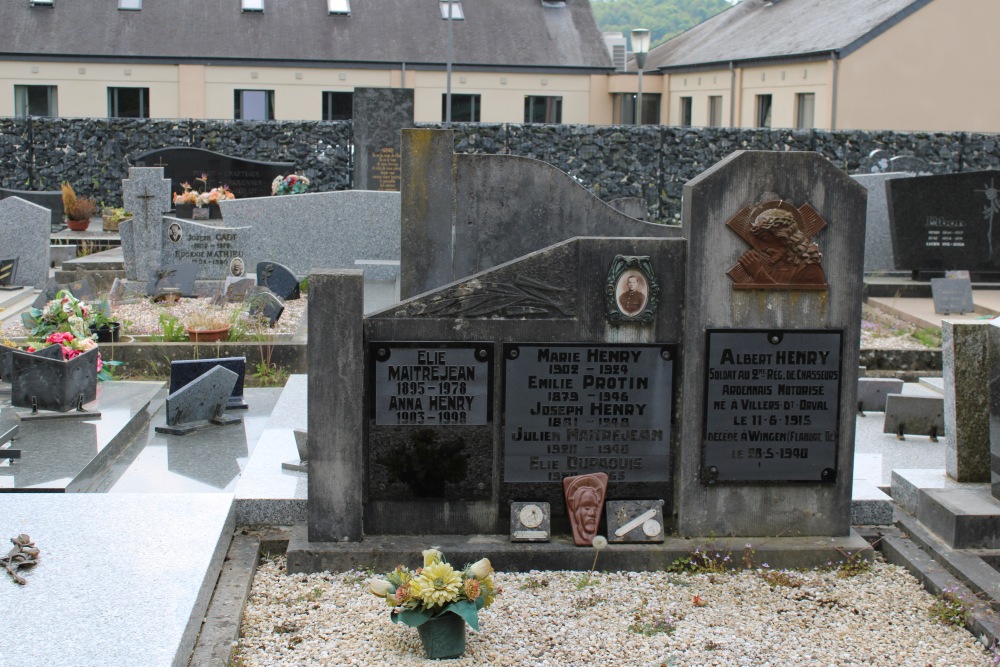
(236, 267)
(632, 292)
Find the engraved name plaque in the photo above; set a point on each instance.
(575, 409)
(772, 406)
(431, 386)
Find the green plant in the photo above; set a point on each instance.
(65, 313)
(646, 623)
(304, 285)
(173, 330)
(270, 375)
(436, 589)
(852, 564)
(709, 559)
(599, 542)
(358, 575)
(951, 607)
(784, 578)
(930, 336)
(535, 583)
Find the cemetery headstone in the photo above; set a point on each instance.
(633, 207)
(914, 415)
(379, 114)
(770, 365)
(878, 236)
(965, 362)
(246, 178)
(43, 381)
(278, 279)
(881, 161)
(295, 230)
(217, 251)
(872, 393)
(462, 214)
(185, 371)
(201, 403)
(179, 278)
(8, 267)
(946, 222)
(51, 200)
(266, 303)
(24, 236)
(82, 289)
(302, 445)
(237, 289)
(952, 295)
(147, 194)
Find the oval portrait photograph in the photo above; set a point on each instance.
(632, 292)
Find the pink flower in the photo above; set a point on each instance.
(100, 364)
(30, 349)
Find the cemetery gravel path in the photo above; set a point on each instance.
(544, 619)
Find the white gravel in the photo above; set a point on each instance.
(544, 619)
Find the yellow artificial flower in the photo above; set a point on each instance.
(437, 585)
(481, 569)
(379, 587)
(432, 556)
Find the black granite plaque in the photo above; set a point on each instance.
(279, 279)
(246, 178)
(435, 385)
(186, 371)
(574, 409)
(946, 222)
(952, 295)
(8, 267)
(772, 406)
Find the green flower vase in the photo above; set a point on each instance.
(443, 636)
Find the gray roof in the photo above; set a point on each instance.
(763, 29)
(501, 33)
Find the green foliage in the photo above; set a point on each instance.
(776, 578)
(358, 576)
(645, 622)
(931, 336)
(663, 18)
(173, 330)
(270, 375)
(583, 580)
(951, 608)
(535, 583)
(852, 564)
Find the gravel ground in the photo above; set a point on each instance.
(543, 619)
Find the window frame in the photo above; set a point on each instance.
(764, 108)
(715, 110)
(686, 111)
(800, 108)
(239, 112)
(552, 107)
(328, 96)
(114, 101)
(476, 105)
(22, 100)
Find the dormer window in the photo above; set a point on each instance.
(253, 5)
(129, 5)
(456, 10)
(42, 3)
(338, 6)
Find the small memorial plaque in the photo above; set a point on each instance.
(575, 409)
(772, 406)
(635, 520)
(530, 522)
(952, 295)
(445, 385)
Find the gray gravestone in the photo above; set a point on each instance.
(379, 115)
(914, 415)
(178, 278)
(635, 521)
(45, 381)
(323, 230)
(246, 178)
(965, 352)
(872, 393)
(462, 214)
(737, 471)
(278, 279)
(994, 398)
(952, 295)
(185, 371)
(147, 195)
(50, 200)
(24, 236)
(878, 235)
(201, 403)
(215, 250)
(265, 303)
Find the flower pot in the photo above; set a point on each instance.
(207, 335)
(78, 225)
(199, 213)
(443, 636)
(109, 333)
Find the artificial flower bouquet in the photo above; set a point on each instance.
(436, 589)
(293, 184)
(64, 313)
(204, 197)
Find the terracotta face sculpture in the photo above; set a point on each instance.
(585, 504)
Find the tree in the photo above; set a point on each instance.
(663, 18)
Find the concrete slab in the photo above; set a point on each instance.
(104, 591)
(964, 518)
(907, 483)
(916, 415)
(935, 384)
(920, 311)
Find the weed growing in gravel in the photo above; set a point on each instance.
(711, 559)
(535, 583)
(589, 601)
(313, 595)
(358, 576)
(647, 623)
(173, 330)
(583, 580)
(931, 337)
(951, 608)
(993, 660)
(776, 578)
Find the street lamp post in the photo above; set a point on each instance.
(640, 47)
(447, 95)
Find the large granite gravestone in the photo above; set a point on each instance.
(185, 371)
(47, 199)
(147, 194)
(217, 251)
(24, 236)
(379, 114)
(510, 380)
(965, 358)
(994, 397)
(246, 178)
(878, 235)
(201, 403)
(462, 214)
(323, 230)
(279, 279)
(770, 372)
(946, 222)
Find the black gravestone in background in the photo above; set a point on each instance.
(186, 371)
(946, 222)
(246, 178)
(379, 115)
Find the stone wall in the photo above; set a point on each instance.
(652, 162)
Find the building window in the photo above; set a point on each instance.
(763, 111)
(254, 105)
(685, 112)
(715, 111)
(252, 5)
(338, 6)
(542, 109)
(805, 111)
(338, 106)
(464, 108)
(35, 101)
(130, 5)
(128, 102)
(456, 10)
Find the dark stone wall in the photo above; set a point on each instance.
(652, 162)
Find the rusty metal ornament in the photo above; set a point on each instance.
(585, 505)
(23, 555)
(782, 255)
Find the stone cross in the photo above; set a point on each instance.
(147, 195)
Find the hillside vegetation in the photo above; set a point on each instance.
(663, 18)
